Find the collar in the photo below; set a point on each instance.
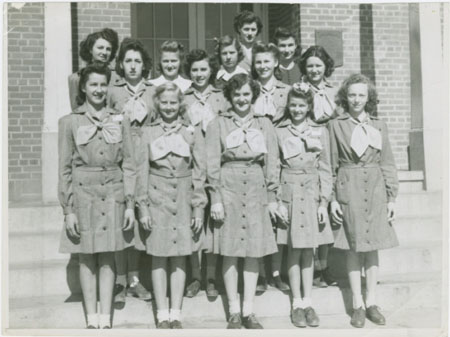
(289, 67)
(286, 121)
(82, 109)
(324, 81)
(222, 72)
(209, 88)
(230, 113)
(120, 81)
(181, 119)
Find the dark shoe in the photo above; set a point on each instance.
(250, 322)
(358, 318)
(211, 290)
(261, 286)
(328, 277)
(163, 325)
(91, 327)
(106, 327)
(280, 285)
(234, 322)
(176, 324)
(374, 315)
(140, 292)
(319, 282)
(193, 288)
(311, 317)
(120, 293)
(298, 318)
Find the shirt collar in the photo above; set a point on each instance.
(208, 89)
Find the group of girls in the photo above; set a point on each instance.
(253, 152)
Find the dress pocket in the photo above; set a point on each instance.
(83, 210)
(342, 193)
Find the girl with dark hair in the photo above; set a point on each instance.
(203, 104)
(171, 58)
(305, 192)
(228, 53)
(100, 47)
(132, 95)
(247, 26)
(242, 158)
(172, 210)
(290, 52)
(97, 178)
(365, 188)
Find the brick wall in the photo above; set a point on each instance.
(392, 71)
(25, 99)
(94, 16)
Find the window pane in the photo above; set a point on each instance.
(212, 22)
(180, 14)
(210, 45)
(228, 13)
(163, 21)
(144, 20)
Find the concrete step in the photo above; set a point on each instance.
(419, 204)
(412, 229)
(410, 181)
(331, 302)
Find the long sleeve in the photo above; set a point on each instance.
(334, 158)
(66, 147)
(213, 160)
(128, 165)
(271, 162)
(199, 199)
(326, 180)
(388, 168)
(73, 90)
(142, 171)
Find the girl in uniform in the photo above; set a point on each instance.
(97, 175)
(316, 66)
(132, 95)
(305, 191)
(203, 103)
(99, 46)
(171, 58)
(365, 189)
(290, 52)
(229, 54)
(173, 168)
(242, 160)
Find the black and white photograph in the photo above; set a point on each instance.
(223, 165)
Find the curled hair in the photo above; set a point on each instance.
(196, 55)
(282, 33)
(321, 53)
(300, 90)
(247, 17)
(136, 45)
(238, 81)
(168, 86)
(172, 47)
(226, 41)
(259, 48)
(93, 68)
(87, 44)
(372, 99)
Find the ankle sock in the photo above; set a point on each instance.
(297, 303)
(104, 321)
(307, 302)
(92, 319)
(358, 301)
(162, 315)
(234, 307)
(276, 273)
(370, 299)
(175, 315)
(247, 308)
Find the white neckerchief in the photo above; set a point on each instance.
(364, 135)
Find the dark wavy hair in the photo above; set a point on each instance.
(237, 82)
(199, 55)
(247, 17)
(168, 86)
(372, 100)
(321, 53)
(136, 45)
(260, 47)
(226, 41)
(173, 47)
(87, 44)
(284, 33)
(93, 68)
(297, 92)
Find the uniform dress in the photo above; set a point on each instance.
(306, 182)
(137, 105)
(365, 177)
(74, 80)
(180, 81)
(173, 169)
(290, 75)
(97, 178)
(223, 76)
(242, 175)
(272, 100)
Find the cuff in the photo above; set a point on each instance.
(216, 198)
(130, 202)
(67, 210)
(323, 202)
(198, 213)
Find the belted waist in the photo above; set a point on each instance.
(358, 165)
(299, 170)
(96, 168)
(243, 164)
(170, 174)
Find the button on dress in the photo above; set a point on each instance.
(244, 181)
(306, 182)
(175, 189)
(363, 186)
(97, 179)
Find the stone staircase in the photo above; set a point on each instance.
(44, 290)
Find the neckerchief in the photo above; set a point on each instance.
(111, 131)
(323, 105)
(170, 142)
(201, 110)
(135, 107)
(244, 133)
(364, 135)
(303, 139)
(265, 105)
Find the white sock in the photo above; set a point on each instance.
(174, 315)
(307, 302)
(276, 273)
(162, 315)
(358, 302)
(297, 303)
(247, 308)
(92, 319)
(134, 281)
(104, 321)
(370, 299)
(234, 307)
